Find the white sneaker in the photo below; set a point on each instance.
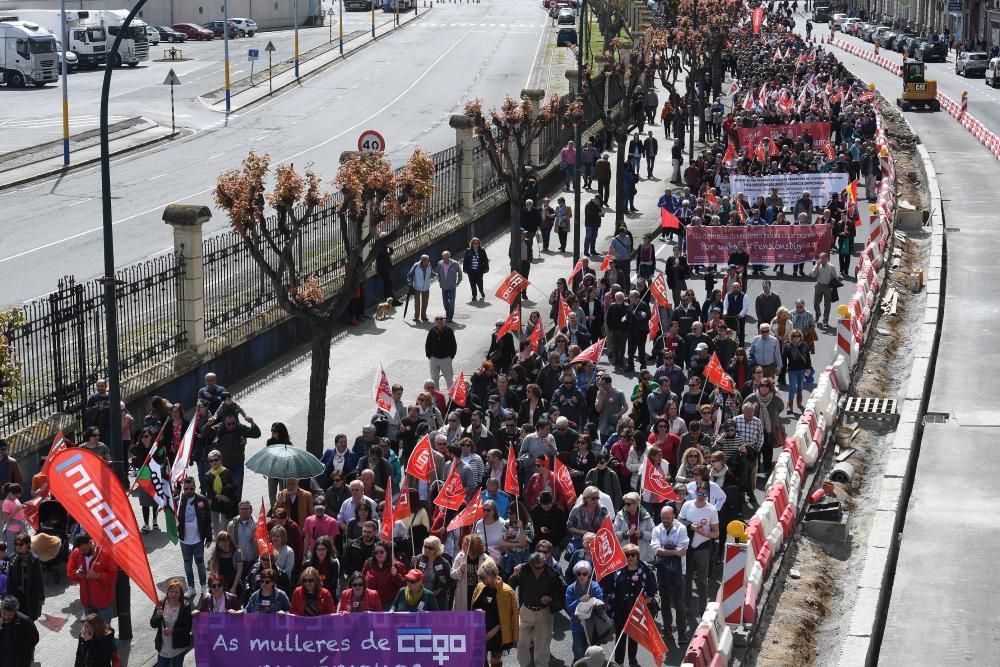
(145, 528)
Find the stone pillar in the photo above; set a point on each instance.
(534, 97)
(465, 144)
(187, 221)
(573, 78)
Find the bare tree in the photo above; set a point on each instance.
(378, 206)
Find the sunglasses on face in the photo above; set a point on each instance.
(359, 585)
(267, 581)
(216, 586)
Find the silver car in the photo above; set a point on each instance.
(972, 63)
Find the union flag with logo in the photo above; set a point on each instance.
(511, 287)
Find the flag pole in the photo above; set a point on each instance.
(149, 455)
(615, 647)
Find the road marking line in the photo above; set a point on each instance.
(214, 156)
(82, 201)
(156, 177)
(541, 36)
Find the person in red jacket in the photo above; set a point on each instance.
(383, 575)
(357, 597)
(96, 572)
(311, 599)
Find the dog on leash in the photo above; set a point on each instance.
(384, 310)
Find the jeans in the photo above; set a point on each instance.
(546, 235)
(795, 382)
(176, 661)
(570, 171)
(580, 643)
(237, 471)
(588, 174)
(590, 241)
(448, 297)
(650, 161)
(636, 161)
(220, 521)
(195, 552)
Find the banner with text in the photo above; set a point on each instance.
(773, 244)
(789, 186)
(751, 136)
(418, 639)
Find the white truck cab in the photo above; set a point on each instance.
(27, 54)
(87, 41)
(134, 47)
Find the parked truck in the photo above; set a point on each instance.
(27, 54)
(87, 41)
(134, 47)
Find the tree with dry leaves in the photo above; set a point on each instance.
(629, 67)
(378, 205)
(702, 30)
(506, 135)
(10, 367)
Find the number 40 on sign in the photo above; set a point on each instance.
(371, 141)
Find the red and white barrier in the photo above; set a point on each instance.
(733, 590)
(720, 636)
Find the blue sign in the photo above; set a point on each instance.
(253, 54)
(955, 7)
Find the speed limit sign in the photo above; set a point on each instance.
(371, 141)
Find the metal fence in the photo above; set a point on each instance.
(486, 181)
(62, 350)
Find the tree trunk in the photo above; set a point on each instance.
(515, 234)
(622, 139)
(717, 73)
(319, 378)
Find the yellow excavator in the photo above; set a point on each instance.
(917, 90)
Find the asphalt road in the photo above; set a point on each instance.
(467, 51)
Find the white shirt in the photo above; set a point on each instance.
(191, 533)
(703, 517)
(347, 510)
(716, 496)
(674, 538)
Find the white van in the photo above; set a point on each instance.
(993, 73)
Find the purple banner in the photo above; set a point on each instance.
(418, 639)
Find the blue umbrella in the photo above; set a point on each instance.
(285, 461)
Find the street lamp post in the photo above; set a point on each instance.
(64, 35)
(578, 136)
(123, 591)
(295, 10)
(693, 86)
(225, 48)
(341, 27)
(330, 13)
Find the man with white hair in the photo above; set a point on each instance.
(449, 275)
(765, 351)
(638, 330)
(617, 322)
(349, 508)
(419, 279)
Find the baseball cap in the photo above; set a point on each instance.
(700, 347)
(414, 575)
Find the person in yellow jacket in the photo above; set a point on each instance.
(496, 599)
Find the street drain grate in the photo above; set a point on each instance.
(936, 418)
(872, 408)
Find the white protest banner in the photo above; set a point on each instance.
(790, 186)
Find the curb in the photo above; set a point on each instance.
(84, 163)
(211, 106)
(860, 647)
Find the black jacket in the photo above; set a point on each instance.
(619, 316)
(96, 651)
(201, 512)
(441, 343)
(228, 489)
(24, 638)
(592, 214)
(27, 585)
(182, 628)
(484, 261)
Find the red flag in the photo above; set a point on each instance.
(563, 313)
(740, 211)
(383, 392)
(537, 334)
(607, 551)
(668, 220)
(90, 492)
(710, 196)
(606, 262)
(511, 287)
(472, 513)
(421, 461)
(748, 102)
(828, 151)
(58, 444)
(641, 627)
(654, 324)
(260, 534)
(655, 482)
(734, 88)
(576, 269)
(730, 155)
(513, 323)
(661, 293)
(592, 353)
(30, 508)
(713, 369)
(761, 157)
(772, 147)
(452, 494)
(388, 518)
(561, 474)
(852, 191)
(726, 384)
(402, 508)
(510, 483)
(459, 393)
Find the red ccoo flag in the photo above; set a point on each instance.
(510, 483)
(537, 334)
(260, 534)
(58, 444)
(563, 313)
(641, 627)
(655, 482)
(713, 369)
(828, 151)
(388, 518)
(654, 324)
(658, 288)
(740, 211)
(513, 323)
(592, 353)
(606, 262)
(607, 551)
(668, 220)
(511, 287)
(452, 494)
(459, 393)
(565, 482)
(421, 461)
(730, 155)
(576, 269)
(472, 513)
(383, 392)
(726, 384)
(402, 509)
(772, 147)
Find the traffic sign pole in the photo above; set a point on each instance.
(373, 19)
(225, 46)
(270, 49)
(296, 10)
(172, 80)
(341, 27)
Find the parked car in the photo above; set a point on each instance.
(878, 32)
(887, 38)
(153, 35)
(821, 14)
(566, 35)
(837, 19)
(971, 63)
(357, 5)
(902, 41)
(936, 51)
(194, 31)
(869, 34)
(850, 26)
(168, 34)
(71, 59)
(566, 17)
(246, 27)
(993, 73)
(216, 28)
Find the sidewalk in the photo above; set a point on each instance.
(19, 167)
(280, 394)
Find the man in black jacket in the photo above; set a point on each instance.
(194, 531)
(231, 440)
(18, 634)
(617, 323)
(638, 330)
(440, 348)
(592, 214)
